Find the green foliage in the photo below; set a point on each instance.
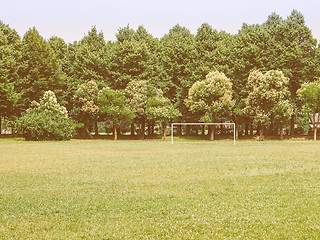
(112, 104)
(161, 109)
(86, 108)
(213, 51)
(268, 98)
(46, 120)
(309, 99)
(177, 56)
(84, 61)
(137, 93)
(133, 57)
(40, 69)
(142, 64)
(10, 50)
(211, 98)
(60, 48)
(297, 58)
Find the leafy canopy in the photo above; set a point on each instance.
(211, 98)
(46, 120)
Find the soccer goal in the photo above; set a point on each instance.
(205, 124)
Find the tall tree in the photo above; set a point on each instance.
(10, 52)
(213, 51)
(177, 57)
(138, 93)
(211, 99)
(129, 62)
(41, 70)
(59, 46)
(86, 60)
(268, 99)
(133, 57)
(86, 109)
(294, 51)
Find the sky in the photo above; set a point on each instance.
(71, 19)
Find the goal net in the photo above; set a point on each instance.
(230, 125)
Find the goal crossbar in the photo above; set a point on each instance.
(206, 124)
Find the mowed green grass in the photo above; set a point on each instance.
(101, 189)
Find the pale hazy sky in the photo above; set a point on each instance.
(71, 19)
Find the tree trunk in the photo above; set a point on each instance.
(143, 126)
(241, 132)
(149, 128)
(132, 129)
(86, 128)
(222, 130)
(152, 128)
(271, 129)
(261, 136)
(115, 132)
(314, 133)
(251, 129)
(237, 131)
(96, 129)
(212, 131)
(292, 126)
(187, 130)
(164, 131)
(0, 124)
(12, 130)
(179, 130)
(246, 131)
(281, 132)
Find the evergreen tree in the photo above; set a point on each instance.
(10, 53)
(40, 69)
(134, 57)
(295, 51)
(177, 57)
(86, 61)
(213, 51)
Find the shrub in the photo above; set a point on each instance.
(46, 120)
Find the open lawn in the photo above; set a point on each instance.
(100, 189)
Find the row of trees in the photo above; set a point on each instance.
(142, 79)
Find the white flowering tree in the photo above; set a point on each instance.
(46, 120)
(268, 98)
(86, 109)
(211, 99)
(137, 93)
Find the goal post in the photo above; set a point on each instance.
(206, 124)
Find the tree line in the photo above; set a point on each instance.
(262, 78)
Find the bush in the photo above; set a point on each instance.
(46, 120)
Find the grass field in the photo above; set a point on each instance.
(101, 189)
